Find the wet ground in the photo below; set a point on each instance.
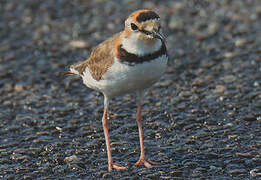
(202, 120)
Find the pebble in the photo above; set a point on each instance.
(220, 89)
(240, 42)
(229, 78)
(59, 129)
(238, 171)
(185, 94)
(250, 118)
(256, 84)
(71, 158)
(229, 55)
(255, 172)
(198, 82)
(78, 44)
(228, 125)
(213, 28)
(19, 87)
(162, 84)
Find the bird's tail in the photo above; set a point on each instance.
(72, 71)
(77, 68)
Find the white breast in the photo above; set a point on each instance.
(121, 78)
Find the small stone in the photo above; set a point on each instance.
(181, 106)
(238, 171)
(185, 94)
(42, 133)
(220, 89)
(213, 28)
(232, 136)
(240, 42)
(158, 103)
(161, 84)
(26, 177)
(231, 113)
(229, 78)
(198, 81)
(19, 87)
(78, 44)
(256, 84)
(229, 55)
(71, 158)
(228, 125)
(194, 110)
(255, 172)
(158, 136)
(250, 118)
(58, 128)
(176, 172)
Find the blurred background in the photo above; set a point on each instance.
(202, 120)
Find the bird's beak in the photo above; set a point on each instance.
(159, 35)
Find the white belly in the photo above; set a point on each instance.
(121, 78)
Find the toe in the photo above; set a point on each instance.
(118, 167)
(153, 162)
(147, 164)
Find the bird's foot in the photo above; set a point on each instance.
(147, 164)
(116, 166)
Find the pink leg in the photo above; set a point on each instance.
(147, 164)
(107, 139)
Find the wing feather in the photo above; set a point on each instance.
(100, 59)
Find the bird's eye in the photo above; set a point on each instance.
(134, 27)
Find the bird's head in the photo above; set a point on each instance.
(145, 25)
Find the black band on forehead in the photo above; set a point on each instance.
(147, 15)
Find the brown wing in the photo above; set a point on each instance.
(100, 59)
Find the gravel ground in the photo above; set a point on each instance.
(202, 120)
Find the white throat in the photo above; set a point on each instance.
(133, 44)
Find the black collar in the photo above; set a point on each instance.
(132, 59)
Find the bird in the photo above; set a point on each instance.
(130, 61)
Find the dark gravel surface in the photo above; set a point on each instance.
(202, 120)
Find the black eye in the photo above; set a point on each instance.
(133, 27)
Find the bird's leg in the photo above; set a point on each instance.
(147, 164)
(105, 125)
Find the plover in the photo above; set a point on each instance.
(130, 61)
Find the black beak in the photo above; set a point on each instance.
(154, 33)
(158, 35)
